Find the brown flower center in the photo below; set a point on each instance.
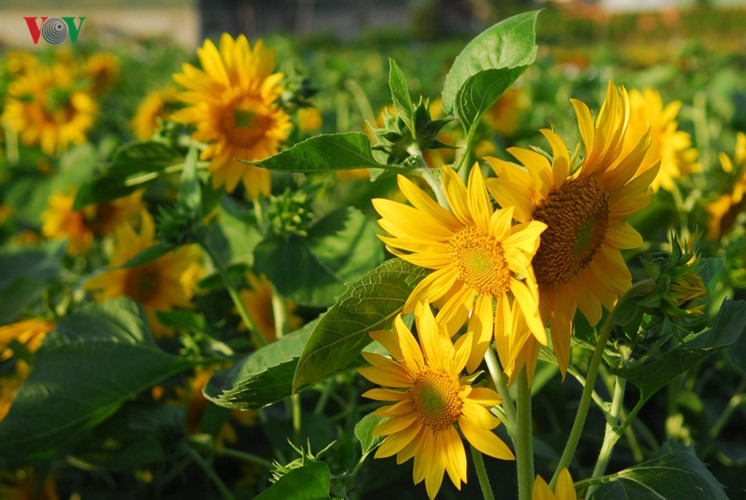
(577, 218)
(142, 283)
(245, 121)
(480, 261)
(436, 399)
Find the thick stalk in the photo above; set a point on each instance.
(498, 379)
(524, 448)
(484, 481)
(611, 434)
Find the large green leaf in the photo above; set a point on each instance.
(678, 473)
(310, 482)
(93, 361)
(132, 167)
(263, 377)
(368, 304)
(339, 248)
(488, 65)
(324, 152)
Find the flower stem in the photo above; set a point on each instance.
(498, 379)
(484, 481)
(523, 444)
(280, 313)
(611, 432)
(224, 490)
(230, 452)
(585, 401)
(242, 311)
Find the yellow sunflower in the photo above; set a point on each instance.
(23, 485)
(20, 62)
(258, 302)
(579, 263)
(476, 253)
(504, 116)
(28, 332)
(102, 69)
(159, 285)
(724, 210)
(309, 119)
(81, 226)
(565, 489)
(233, 101)
(46, 107)
(429, 400)
(153, 109)
(668, 145)
(8, 388)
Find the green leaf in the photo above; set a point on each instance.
(132, 167)
(364, 432)
(93, 361)
(190, 194)
(310, 482)
(368, 304)
(324, 152)
(677, 473)
(489, 65)
(149, 254)
(339, 248)
(400, 95)
(263, 377)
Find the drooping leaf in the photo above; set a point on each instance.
(489, 65)
(310, 482)
(324, 152)
(263, 377)
(400, 95)
(93, 361)
(368, 304)
(339, 248)
(677, 473)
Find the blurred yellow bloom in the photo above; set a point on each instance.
(46, 106)
(565, 489)
(81, 226)
(724, 210)
(158, 285)
(234, 102)
(8, 388)
(258, 302)
(428, 400)
(102, 69)
(309, 119)
(504, 116)
(28, 332)
(155, 108)
(20, 62)
(668, 145)
(21, 485)
(6, 212)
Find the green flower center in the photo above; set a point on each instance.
(480, 261)
(436, 399)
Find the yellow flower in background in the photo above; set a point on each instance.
(102, 69)
(159, 285)
(155, 108)
(258, 302)
(579, 263)
(46, 107)
(81, 226)
(8, 388)
(668, 145)
(476, 253)
(233, 100)
(20, 62)
(6, 212)
(22, 485)
(429, 401)
(504, 116)
(28, 332)
(726, 208)
(309, 119)
(565, 489)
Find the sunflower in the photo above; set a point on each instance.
(234, 102)
(579, 263)
(724, 210)
(20, 62)
(429, 400)
(158, 285)
(152, 111)
(476, 253)
(504, 116)
(28, 332)
(565, 489)
(46, 107)
(258, 302)
(81, 226)
(23, 484)
(8, 388)
(102, 70)
(667, 144)
(309, 119)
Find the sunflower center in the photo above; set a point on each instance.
(101, 217)
(480, 261)
(577, 218)
(142, 283)
(436, 399)
(245, 121)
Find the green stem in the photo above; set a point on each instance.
(279, 313)
(435, 184)
(230, 452)
(460, 168)
(585, 401)
(498, 379)
(611, 435)
(242, 311)
(524, 445)
(224, 490)
(484, 481)
(295, 401)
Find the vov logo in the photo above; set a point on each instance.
(54, 30)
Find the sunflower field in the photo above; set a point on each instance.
(280, 268)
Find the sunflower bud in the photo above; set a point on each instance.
(290, 212)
